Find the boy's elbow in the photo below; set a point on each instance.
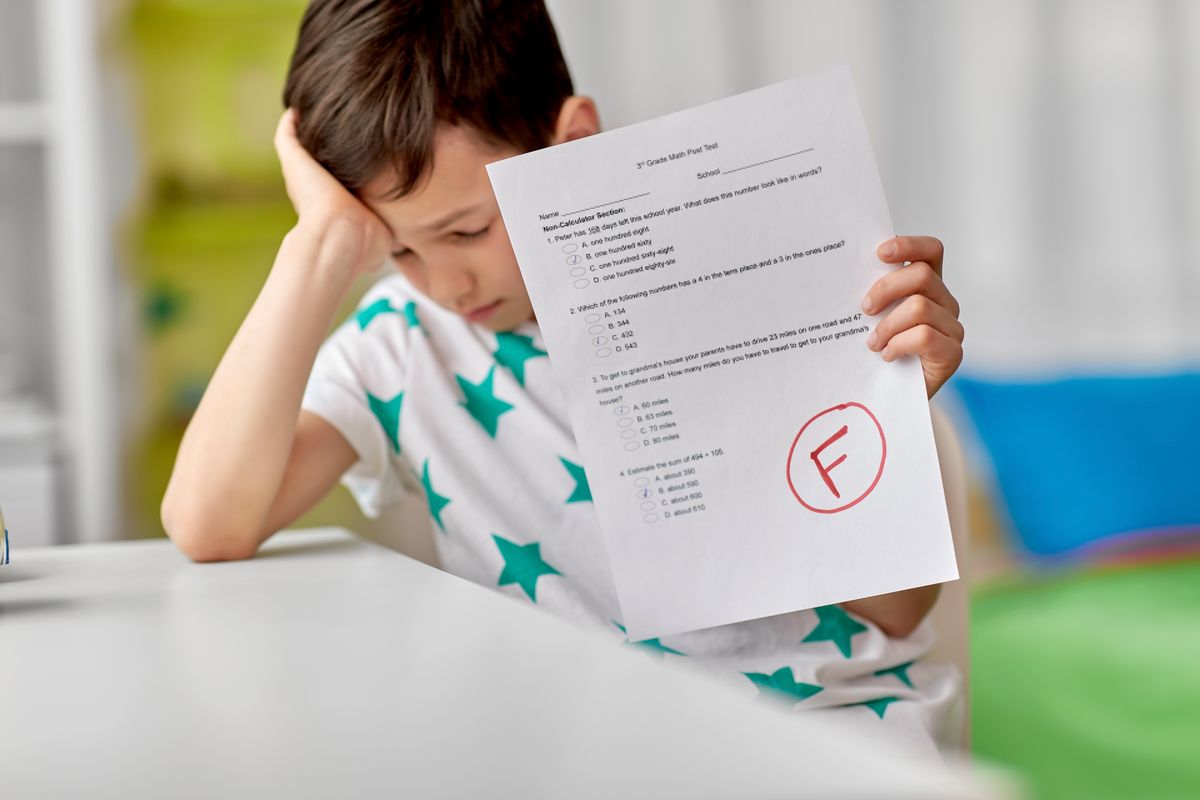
(895, 624)
(901, 628)
(203, 551)
(204, 540)
(899, 613)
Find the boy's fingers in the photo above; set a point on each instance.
(285, 131)
(940, 355)
(303, 176)
(288, 146)
(915, 312)
(913, 248)
(918, 278)
(925, 341)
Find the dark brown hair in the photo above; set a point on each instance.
(371, 80)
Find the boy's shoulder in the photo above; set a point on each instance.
(390, 286)
(379, 330)
(391, 296)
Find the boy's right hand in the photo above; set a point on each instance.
(251, 461)
(350, 232)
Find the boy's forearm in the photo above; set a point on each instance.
(233, 455)
(897, 614)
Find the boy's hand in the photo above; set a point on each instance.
(354, 232)
(925, 320)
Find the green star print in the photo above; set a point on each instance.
(410, 315)
(369, 313)
(436, 501)
(388, 414)
(482, 402)
(900, 671)
(652, 646)
(836, 626)
(513, 350)
(523, 565)
(582, 492)
(784, 682)
(879, 706)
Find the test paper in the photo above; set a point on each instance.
(697, 280)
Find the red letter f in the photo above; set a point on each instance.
(824, 470)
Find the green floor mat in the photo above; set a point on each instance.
(1088, 683)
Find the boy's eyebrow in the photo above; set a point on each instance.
(437, 224)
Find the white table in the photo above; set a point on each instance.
(323, 668)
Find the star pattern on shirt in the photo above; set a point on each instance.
(410, 315)
(879, 705)
(582, 491)
(513, 350)
(835, 625)
(367, 314)
(652, 646)
(523, 565)
(900, 671)
(481, 401)
(436, 501)
(388, 414)
(783, 681)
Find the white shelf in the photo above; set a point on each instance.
(25, 421)
(80, 274)
(22, 123)
(59, 449)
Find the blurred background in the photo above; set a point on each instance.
(1053, 145)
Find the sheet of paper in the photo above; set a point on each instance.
(697, 279)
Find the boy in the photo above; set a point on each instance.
(441, 377)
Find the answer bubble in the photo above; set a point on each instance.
(570, 247)
(628, 433)
(625, 422)
(582, 283)
(648, 506)
(590, 318)
(604, 352)
(573, 260)
(595, 329)
(631, 446)
(578, 272)
(650, 518)
(642, 482)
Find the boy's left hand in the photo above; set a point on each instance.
(925, 320)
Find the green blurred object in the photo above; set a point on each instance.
(215, 256)
(208, 76)
(162, 307)
(1086, 682)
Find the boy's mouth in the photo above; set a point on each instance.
(483, 312)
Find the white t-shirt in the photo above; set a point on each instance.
(477, 420)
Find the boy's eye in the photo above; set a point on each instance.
(464, 236)
(401, 253)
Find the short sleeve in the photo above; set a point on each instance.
(357, 385)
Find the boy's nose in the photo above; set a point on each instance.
(453, 287)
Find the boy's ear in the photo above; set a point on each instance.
(576, 119)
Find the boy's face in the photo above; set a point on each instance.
(449, 239)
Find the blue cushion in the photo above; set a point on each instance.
(1084, 460)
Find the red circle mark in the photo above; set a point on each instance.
(878, 475)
